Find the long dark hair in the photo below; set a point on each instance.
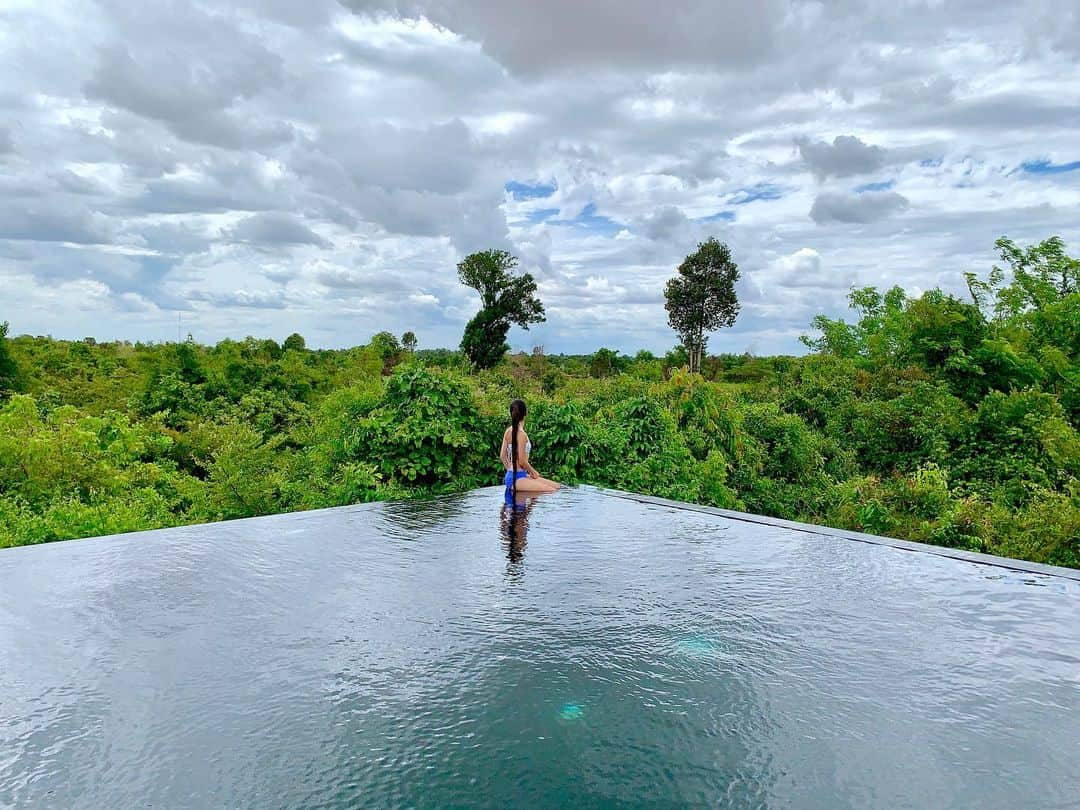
(517, 413)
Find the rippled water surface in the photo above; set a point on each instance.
(592, 651)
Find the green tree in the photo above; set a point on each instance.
(677, 357)
(880, 332)
(701, 298)
(408, 342)
(388, 349)
(9, 370)
(187, 363)
(945, 336)
(294, 342)
(506, 299)
(1041, 275)
(604, 363)
(242, 475)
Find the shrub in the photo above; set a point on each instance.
(1018, 442)
(426, 432)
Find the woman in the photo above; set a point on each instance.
(521, 476)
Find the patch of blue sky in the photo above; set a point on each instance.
(931, 163)
(719, 216)
(589, 220)
(759, 191)
(540, 215)
(882, 185)
(1045, 166)
(530, 191)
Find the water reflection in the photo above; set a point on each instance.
(514, 525)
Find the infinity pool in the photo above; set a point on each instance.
(592, 651)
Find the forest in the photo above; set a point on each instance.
(936, 418)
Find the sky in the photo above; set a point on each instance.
(259, 167)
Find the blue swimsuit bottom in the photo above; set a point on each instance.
(510, 478)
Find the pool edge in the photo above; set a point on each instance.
(745, 517)
(860, 537)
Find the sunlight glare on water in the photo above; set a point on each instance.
(586, 650)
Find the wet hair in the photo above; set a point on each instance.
(517, 413)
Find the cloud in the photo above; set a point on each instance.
(275, 229)
(1054, 26)
(1001, 112)
(663, 223)
(175, 238)
(50, 265)
(440, 159)
(40, 225)
(267, 166)
(847, 155)
(194, 81)
(253, 299)
(805, 269)
(366, 281)
(556, 36)
(868, 206)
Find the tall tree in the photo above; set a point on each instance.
(408, 342)
(701, 298)
(506, 299)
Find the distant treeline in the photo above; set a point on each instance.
(935, 418)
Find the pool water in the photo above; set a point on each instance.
(585, 651)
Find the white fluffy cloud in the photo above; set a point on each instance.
(265, 166)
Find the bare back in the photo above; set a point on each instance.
(524, 447)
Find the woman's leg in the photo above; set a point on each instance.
(536, 485)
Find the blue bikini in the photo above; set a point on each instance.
(510, 478)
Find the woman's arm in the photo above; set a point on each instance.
(502, 452)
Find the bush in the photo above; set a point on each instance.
(707, 418)
(1018, 442)
(426, 432)
(789, 449)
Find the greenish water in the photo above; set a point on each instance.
(591, 652)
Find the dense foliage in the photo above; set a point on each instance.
(930, 418)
